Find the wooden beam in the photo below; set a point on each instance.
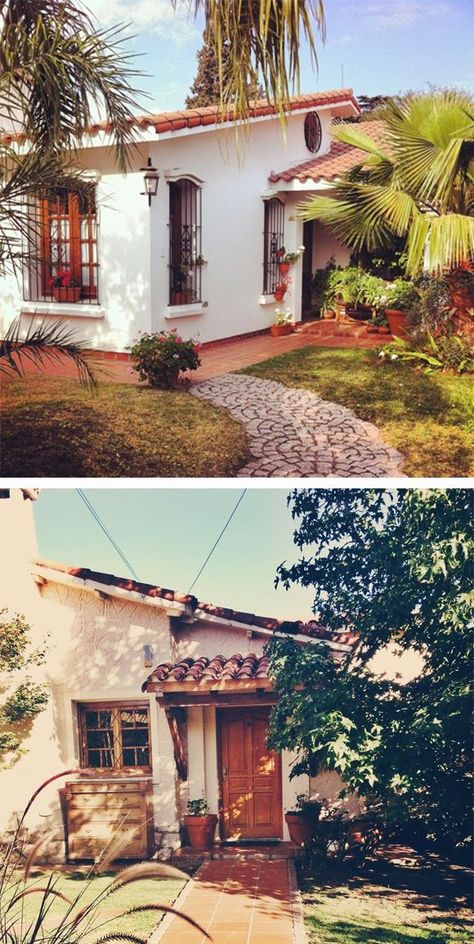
(217, 699)
(178, 747)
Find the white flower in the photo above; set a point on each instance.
(381, 353)
(300, 248)
(394, 357)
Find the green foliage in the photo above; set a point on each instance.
(395, 568)
(206, 88)
(402, 295)
(26, 700)
(160, 357)
(197, 807)
(446, 352)
(44, 343)
(418, 186)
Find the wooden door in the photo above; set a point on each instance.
(250, 777)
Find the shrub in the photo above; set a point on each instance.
(446, 352)
(402, 296)
(161, 357)
(197, 807)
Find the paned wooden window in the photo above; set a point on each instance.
(63, 242)
(115, 736)
(273, 240)
(186, 259)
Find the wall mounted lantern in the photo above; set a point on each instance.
(151, 179)
(147, 656)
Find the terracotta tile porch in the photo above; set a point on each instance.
(221, 357)
(237, 901)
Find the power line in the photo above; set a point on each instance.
(217, 541)
(107, 533)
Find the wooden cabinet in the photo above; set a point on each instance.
(99, 811)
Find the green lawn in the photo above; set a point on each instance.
(429, 418)
(54, 427)
(73, 884)
(370, 910)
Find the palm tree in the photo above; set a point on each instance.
(418, 184)
(259, 41)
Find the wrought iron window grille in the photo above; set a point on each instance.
(185, 234)
(273, 240)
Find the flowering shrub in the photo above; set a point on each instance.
(161, 357)
(63, 279)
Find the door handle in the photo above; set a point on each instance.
(224, 773)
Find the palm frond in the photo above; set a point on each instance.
(263, 40)
(41, 343)
(449, 242)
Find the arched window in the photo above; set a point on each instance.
(312, 132)
(273, 240)
(185, 259)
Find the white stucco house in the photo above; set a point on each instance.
(155, 697)
(200, 256)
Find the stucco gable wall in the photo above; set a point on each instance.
(208, 639)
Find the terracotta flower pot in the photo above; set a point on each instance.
(284, 267)
(372, 329)
(277, 331)
(66, 293)
(329, 314)
(201, 830)
(300, 827)
(279, 294)
(398, 322)
(384, 329)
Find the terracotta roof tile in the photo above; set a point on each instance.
(218, 669)
(340, 158)
(290, 627)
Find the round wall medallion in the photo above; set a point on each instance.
(312, 132)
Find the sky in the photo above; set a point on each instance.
(166, 534)
(375, 46)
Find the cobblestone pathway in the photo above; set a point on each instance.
(293, 432)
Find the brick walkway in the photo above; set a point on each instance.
(293, 432)
(238, 902)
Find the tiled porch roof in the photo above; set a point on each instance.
(217, 669)
(340, 158)
(311, 629)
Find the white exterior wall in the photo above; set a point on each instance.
(134, 239)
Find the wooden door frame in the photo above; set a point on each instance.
(307, 271)
(221, 713)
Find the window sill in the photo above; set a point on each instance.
(68, 310)
(267, 299)
(184, 311)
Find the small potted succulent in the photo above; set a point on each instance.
(302, 821)
(282, 323)
(402, 296)
(64, 287)
(200, 824)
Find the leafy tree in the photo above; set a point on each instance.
(419, 185)
(206, 88)
(20, 703)
(394, 568)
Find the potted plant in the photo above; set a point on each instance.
(282, 323)
(286, 259)
(200, 824)
(402, 297)
(181, 293)
(65, 288)
(280, 291)
(302, 821)
(162, 356)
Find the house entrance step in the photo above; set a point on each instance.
(189, 859)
